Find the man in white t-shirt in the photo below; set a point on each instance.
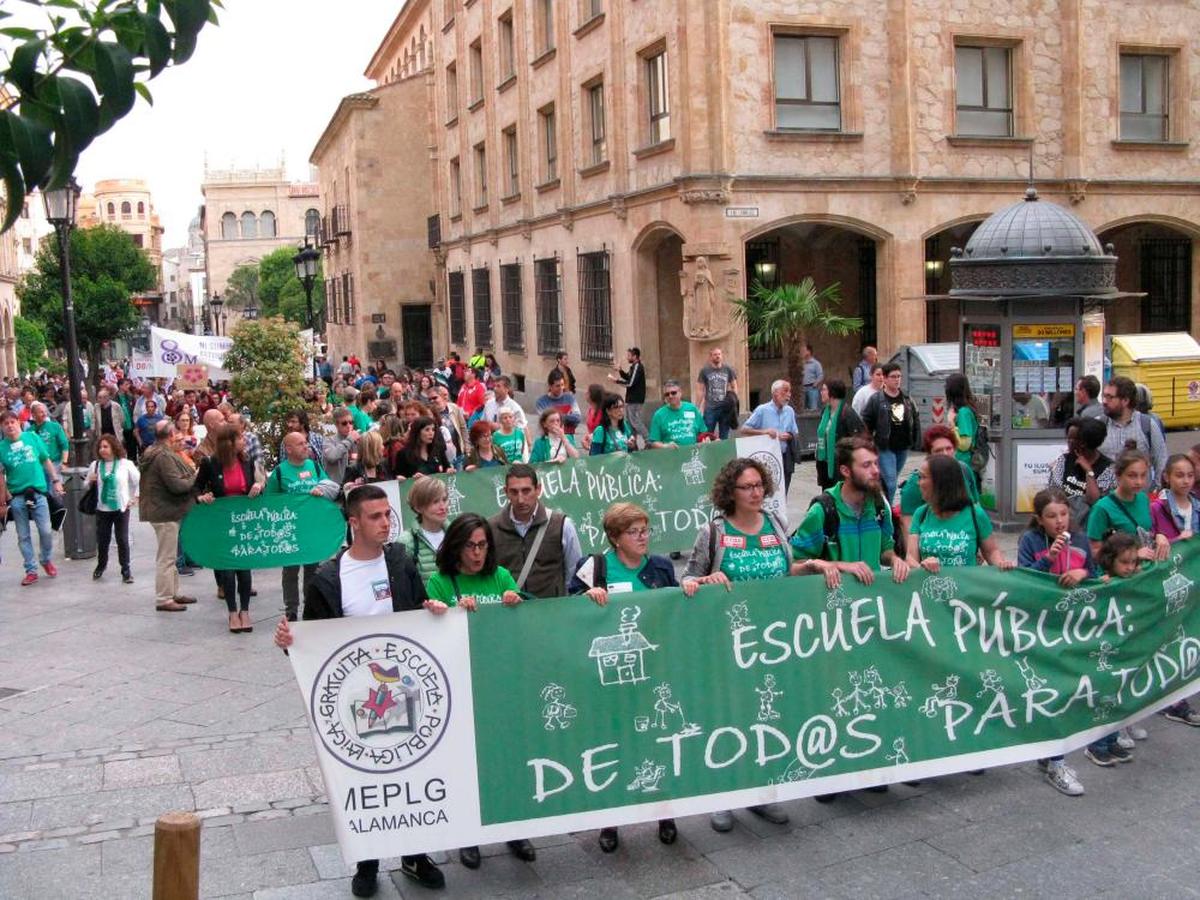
(370, 577)
(502, 398)
(863, 395)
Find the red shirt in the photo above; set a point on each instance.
(235, 480)
(471, 398)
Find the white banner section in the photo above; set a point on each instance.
(168, 349)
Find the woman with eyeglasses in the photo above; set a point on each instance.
(626, 567)
(744, 542)
(469, 576)
(612, 434)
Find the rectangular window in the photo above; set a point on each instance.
(589, 9)
(543, 26)
(598, 149)
(512, 162)
(331, 302)
(1145, 97)
(458, 308)
(348, 293)
(595, 308)
(448, 11)
(547, 289)
(658, 98)
(510, 307)
(481, 179)
(451, 91)
(807, 94)
(476, 71)
(481, 302)
(455, 188)
(983, 91)
(507, 51)
(547, 126)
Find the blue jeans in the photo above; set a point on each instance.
(41, 518)
(713, 416)
(812, 397)
(891, 462)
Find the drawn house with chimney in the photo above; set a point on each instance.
(620, 657)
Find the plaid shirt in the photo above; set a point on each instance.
(253, 447)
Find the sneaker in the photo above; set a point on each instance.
(1183, 713)
(127, 577)
(1062, 779)
(772, 812)
(187, 570)
(30, 578)
(365, 882)
(51, 569)
(97, 573)
(1101, 756)
(721, 821)
(422, 870)
(1120, 754)
(1137, 732)
(1124, 740)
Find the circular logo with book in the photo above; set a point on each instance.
(381, 703)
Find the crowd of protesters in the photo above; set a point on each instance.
(1114, 500)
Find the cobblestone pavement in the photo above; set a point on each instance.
(112, 713)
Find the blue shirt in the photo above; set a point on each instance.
(768, 415)
(813, 373)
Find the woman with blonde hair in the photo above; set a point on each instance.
(371, 465)
(430, 502)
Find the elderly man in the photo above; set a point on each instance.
(1125, 423)
(27, 476)
(862, 372)
(52, 434)
(777, 419)
(449, 415)
(89, 424)
(165, 498)
(107, 417)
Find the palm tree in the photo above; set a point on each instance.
(787, 314)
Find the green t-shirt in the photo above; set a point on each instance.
(622, 579)
(968, 426)
(610, 441)
(54, 437)
(543, 450)
(513, 444)
(1110, 512)
(291, 479)
(954, 541)
(484, 588)
(752, 557)
(676, 426)
(862, 536)
(22, 461)
(910, 492)
(362, 422)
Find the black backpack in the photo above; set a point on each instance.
(831, 522)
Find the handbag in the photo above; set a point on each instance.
(89, 500)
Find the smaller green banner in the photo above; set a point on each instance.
(263, 532)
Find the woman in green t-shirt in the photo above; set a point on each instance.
(469, 576)
(1127, 509)
(961, 415)
(950, 530)
(554, 446)
(613, 434)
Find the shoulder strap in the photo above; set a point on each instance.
(279, 479)
(1146, 426)
(533, 551)
(599, 571)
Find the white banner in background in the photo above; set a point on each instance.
(170, 348)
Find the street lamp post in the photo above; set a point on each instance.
(60, 212)
(306, 270)
(215, 304)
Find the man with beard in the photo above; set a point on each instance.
(850, 525)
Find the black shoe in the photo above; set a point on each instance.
(827, 798)
(365, 881)
(523, 850)
(878, 789)
(609, 840)
(667, 831)
(469, 857)
(97, 573)
(253, 593)
(187, 570)
(421, 869)
(291, 617)
(127, 577)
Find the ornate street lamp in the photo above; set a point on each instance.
(250, 312)
(216, 303)
(306, 262)
(61, 204)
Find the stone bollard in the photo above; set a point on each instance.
(177, 856)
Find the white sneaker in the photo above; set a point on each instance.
(1062, 778)
(1124, 741)
(1137, 732)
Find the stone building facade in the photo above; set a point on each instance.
(248, 213)
(611, 173)
(9, 306)
(126, 203)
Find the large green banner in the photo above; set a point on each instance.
(263, 532)
(569, 716)
(672, 485)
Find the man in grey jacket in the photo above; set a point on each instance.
(342, 447)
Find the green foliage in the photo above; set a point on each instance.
(280, 292)
(241, 290)
(269, 364)
(107, 267)
(117, 46)
(31, 344)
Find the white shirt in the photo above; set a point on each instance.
(434, 538)
(491, 411)
(366, 590)
(862, 397)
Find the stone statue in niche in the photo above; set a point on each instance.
(699, 300)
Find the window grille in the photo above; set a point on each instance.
(547, 286)
(458, 308)
(510, 303)
(481, 302)
(595, 307)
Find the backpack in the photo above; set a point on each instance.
(981, 449)
(831, 522)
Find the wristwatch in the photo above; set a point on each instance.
(1089, 474)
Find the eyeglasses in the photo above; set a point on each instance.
(670, 393)
(617, 406)
(476, 545)
(639, 533)
(756, 486)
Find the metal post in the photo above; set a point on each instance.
(312, 324)
(79, 447)
(177, 857)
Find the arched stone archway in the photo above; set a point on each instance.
(941, 317)
(1158, 256)
(658, 259)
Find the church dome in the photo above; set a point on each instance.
(1033, 248)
